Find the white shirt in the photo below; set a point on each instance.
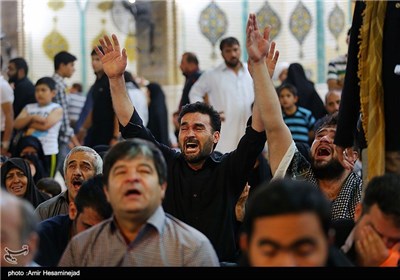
(7, 95)
(48, 138)
(139, 101)
(230, 93)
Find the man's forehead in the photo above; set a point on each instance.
(196, 117)
(327, 129)
(81, 155)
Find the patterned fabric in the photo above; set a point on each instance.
(343, 207)
(162, 241)
(66, 131)
(75, 104)
(300, 123)
(371, 86)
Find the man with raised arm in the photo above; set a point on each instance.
(340, 185)
(203, 186)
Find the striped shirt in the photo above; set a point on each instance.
(162, 241)
(300, 123)
(75, 104)
(337, 68)
(66, 131)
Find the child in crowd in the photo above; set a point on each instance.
(299, 120)
(43, 120)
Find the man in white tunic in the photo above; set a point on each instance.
(229, 88)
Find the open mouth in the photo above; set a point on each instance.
(324, 152)
(17, 188)
(77, 183)
(132, 192)
(191, 146)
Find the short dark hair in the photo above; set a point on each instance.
(94, 50)
(203, 108)
(230, 41)
(328, 120)
(191, 58)
(20, 63)
(289, 87)
(77, 86)
(46, 81)
(286, 196)
(49, 185)
(131, 148)
(91, 195)
(385, 192)
(64, 58)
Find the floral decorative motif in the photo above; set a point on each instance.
(56, 5)
(105, 6)
(300, 24)
(54, 42)
(267, 16)
(213, 24)
(336, 22)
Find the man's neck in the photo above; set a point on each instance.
(331, 187)
(290, 110)
(129, 227)
(236, 68)
(196, 166)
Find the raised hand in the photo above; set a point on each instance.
(114, 62)
(257, 45)
(272, 59)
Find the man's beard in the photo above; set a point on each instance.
(232, 63)
(331, 170)
(13, 79)
(202, 155)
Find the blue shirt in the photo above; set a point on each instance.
(54, 235)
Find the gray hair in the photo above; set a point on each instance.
(98, 162)
(29, 221)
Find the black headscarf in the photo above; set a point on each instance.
(158, 114)
(308, 96)
(39, 160)
(33, 195)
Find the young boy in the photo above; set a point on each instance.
(43, 120)
(299, 120)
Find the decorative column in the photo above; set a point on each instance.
(320, 40)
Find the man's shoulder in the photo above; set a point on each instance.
(90, 235)
(54, 225)
(50, 203)
(25, 83)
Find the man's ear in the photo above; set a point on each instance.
(243, 242)
(72, 211)
(105, 189)
(216, 137)
(358, 211)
